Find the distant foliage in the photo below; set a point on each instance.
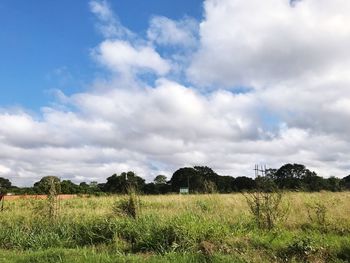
(160, 179)
(45, 185)
(121, 183)
(199, 179)
(5, 185)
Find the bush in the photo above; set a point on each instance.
(93, 232)
(129, 206)
(305, 249)
(317, 212)
(266, 208)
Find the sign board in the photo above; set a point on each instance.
(184, 190)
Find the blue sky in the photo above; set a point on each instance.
(45, 45)
(93, 88)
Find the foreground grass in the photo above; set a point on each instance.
(88, 256)
(194, 228)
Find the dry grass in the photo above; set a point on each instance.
(227, 207)
(182, 224)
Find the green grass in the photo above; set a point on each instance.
(173, 228)
(87, 256)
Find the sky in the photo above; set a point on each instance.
(93, 88)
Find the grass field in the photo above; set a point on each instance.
(173, 228)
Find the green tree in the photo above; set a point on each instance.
(5, 185)
(198, 178)
(160, 179)
(68, 187)
(291, 176)
(121, 183)
(83, 188)
(242, 183)
(333, 184)
(133, 181)
(45, 184)
(345, 182)
(224, 184)
(187, 177)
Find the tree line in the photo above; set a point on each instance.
(198, 179)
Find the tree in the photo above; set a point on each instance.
(197, 178)
(133, 181)
(345, 182)
(5, 185)
(206, 172)
(45, 184)
(83, 188)
(150, 189)
(333, 184)
(160, 179)
(187, 177)
(290, 176)
(241, 183)
(265, 184)
(159, 186)
(312, 182)
(224, 184)
(94, 187)
(68, 187)
(115, 184)
(121, 183)
(271, 173)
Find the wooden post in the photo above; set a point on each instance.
(2, 200)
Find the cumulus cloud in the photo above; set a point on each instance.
(121, 56)
(164, 31)
(122, 51)
(257, 43)
(293, 57)
(138, 128)
(155, 129)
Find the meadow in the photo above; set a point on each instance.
(176, 228)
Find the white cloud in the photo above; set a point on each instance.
(122, 52)
(139, 129)
(108, 23)
(156, 129)
(121, 56)
(258, 43)
(294, 59)
(164, 31)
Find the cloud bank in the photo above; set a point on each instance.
(229, 91)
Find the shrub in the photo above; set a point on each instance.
(266, 208)
(92, 232)
(317, 212)
(129, 206)
(305, 249)
(301, 249)
(344, 253)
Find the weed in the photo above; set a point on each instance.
(53, 199)
(317, 213)
(204, 205)
(266, 208)
(209, 187)
(128, 206)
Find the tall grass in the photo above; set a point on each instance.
(203, 226)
